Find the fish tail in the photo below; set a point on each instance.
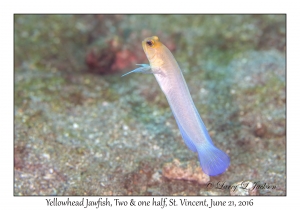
(212, 160)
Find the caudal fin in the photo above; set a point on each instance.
(212, 160)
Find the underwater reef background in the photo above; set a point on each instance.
(82, 129)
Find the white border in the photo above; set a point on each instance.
(8, 8)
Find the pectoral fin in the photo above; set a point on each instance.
(144, 69)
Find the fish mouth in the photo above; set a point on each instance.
(146, 49)
(144, 46)
(150, 51)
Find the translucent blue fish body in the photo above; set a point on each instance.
(170, 79)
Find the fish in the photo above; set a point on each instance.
(168, 74)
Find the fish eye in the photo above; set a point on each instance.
(150, 43)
